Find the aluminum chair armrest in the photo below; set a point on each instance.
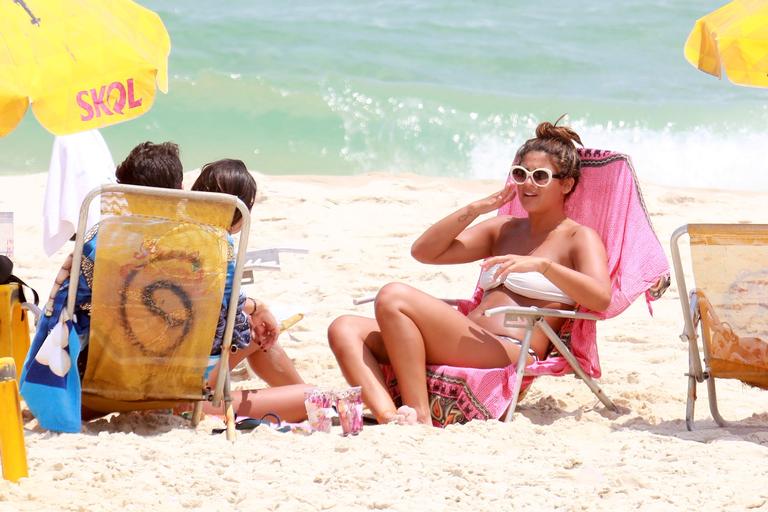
(533, 312)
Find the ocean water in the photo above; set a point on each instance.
(438, 88)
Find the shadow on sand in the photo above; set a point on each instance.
(753, 429)
(547, 410)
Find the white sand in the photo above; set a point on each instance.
(563, 449)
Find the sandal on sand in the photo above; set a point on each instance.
(252, 423)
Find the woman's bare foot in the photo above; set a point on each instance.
(403, 416)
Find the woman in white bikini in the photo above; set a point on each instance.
(545, 260)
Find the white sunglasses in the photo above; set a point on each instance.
(540, 177)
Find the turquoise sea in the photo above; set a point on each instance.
(438, 88)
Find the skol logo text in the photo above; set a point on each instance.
(109, 100)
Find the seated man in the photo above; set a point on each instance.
(155, 165)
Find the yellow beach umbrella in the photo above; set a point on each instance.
(734, 38)
(82, 64)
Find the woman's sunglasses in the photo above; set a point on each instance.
(540, 177)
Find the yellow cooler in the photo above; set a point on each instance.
(14, 326)
(13, 453)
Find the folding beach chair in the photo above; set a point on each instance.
(157, 286)
(265, 259)
(608, 199)
(727, 306)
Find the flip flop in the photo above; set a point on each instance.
(252, 423)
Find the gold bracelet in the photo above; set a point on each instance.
(547, 269)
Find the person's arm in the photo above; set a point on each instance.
(61, 278)
(264, 326)
(588, 283)
(449, 241)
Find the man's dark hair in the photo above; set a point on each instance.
(152, 165)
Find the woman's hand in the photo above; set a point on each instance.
(264, 327)
(452, 240)
(509, 263)
(496, 200)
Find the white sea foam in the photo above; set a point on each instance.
(699, 158)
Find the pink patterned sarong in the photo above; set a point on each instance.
(608, 200)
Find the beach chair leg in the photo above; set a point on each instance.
(690, 404)
(229, 412)
(713, 402)
(197, 413)
(520, 370)
(229, 416)
(563, 350)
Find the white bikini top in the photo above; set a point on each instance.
(533, 285)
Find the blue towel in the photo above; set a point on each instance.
(53, 398)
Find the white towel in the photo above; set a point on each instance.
(79, 163)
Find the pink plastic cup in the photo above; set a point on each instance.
(349, 404)
(318, 404)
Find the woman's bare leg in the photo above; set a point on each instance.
(285, 401)
(274, 366)
(418, 329)
(357, 345)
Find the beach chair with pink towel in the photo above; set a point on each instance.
(608, 199)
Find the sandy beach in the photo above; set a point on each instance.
(562, 451)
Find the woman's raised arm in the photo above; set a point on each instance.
(449, 241)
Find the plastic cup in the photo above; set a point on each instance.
(349, 404)
(318, 403)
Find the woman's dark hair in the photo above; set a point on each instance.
(228, 176)
(558, 143)
(152, 165)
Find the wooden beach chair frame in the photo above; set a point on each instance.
(222, 388)
(693, 304)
